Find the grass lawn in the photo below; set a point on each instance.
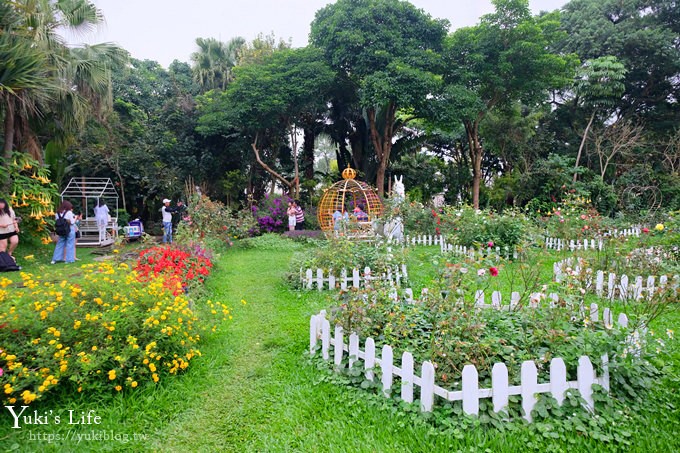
(254, 389)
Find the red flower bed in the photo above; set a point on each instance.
(180, 268)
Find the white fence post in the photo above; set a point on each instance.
(338, 345)
(407, 377)
(386, 366)
(309, 280)
(353, 349)
(325, 339)
(558, 379)
(499, 384)
(369, 359)
(585, 380)
(470, 390)
(529, 384)
(319, 279)
(427, 387)
(313, 321)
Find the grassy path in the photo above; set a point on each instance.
(265, 396)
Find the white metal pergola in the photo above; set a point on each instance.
(85, 193)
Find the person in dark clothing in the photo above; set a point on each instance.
(299, 216)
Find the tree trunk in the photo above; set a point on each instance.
(268, 169)
(9, 130)
(476, 154)
(8, 147)
(382, 144)
(308, 152)
(583, 142)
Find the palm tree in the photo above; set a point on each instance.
(42, 80)
(214, 61)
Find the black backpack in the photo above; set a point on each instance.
(7, 263)
(62, 226)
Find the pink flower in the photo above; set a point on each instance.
(481, 272)
(583, 217)
(2, 372)
(561, 220)
(493, 271)
(490, 244)
(645, 230)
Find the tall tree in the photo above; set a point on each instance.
(387, 49)
(644, 35)
(266, 103)
(598, 89)
(214, 61)
(504, 59)
(75, 82)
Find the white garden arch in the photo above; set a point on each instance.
(84, 193)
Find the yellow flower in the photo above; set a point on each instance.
(29, 257)
(28, 397)
(94, 348)
(118, 388)
(112, 375)
(133, 384)
(659, 227)
(116, 251)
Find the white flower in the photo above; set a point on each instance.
(463, 270)
(481, 272)
(669, 332)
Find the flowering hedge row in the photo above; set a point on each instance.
(180, 268)
(110, 331)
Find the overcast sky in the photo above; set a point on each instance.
(164, 30)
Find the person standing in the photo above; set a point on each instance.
(291, 216)
(299, 216)
(101, 216)
(65, 227)
(167, 212)
(9, 228)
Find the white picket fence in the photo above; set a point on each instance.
(535, 301)
(579, 244)
(470, 393)
(472, 252)
(617, 287)
(355, 279)
(626, 232)
(422, 239)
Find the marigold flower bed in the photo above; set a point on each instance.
(113, 329)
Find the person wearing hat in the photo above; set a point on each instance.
(167, 212)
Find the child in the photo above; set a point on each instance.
(292, 219)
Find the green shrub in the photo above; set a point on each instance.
(469, 227)
(341, 253)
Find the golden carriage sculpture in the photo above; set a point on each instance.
(349, 207)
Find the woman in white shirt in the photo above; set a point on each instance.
(65, 249)
(101, 215)
(9, 228)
